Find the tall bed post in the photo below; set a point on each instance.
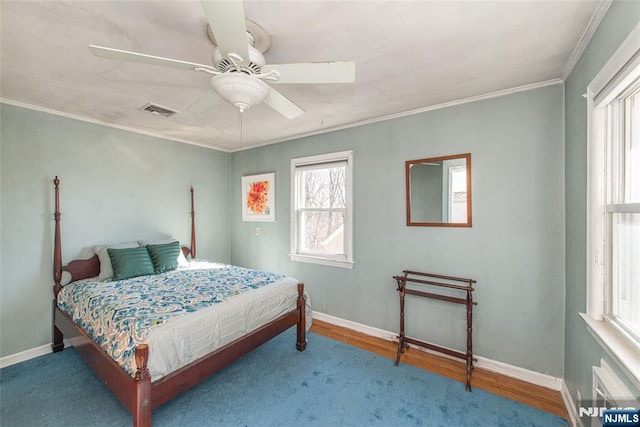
(58, 339)
(193, 228)
(133, 392)
(301, 327)
(57, 250)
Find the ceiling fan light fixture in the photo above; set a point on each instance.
(240, 90)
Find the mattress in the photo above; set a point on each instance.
(181, 315)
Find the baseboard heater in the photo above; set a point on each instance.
(609, 392)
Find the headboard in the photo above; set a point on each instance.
(85, 268)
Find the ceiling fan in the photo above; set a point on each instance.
(239, 69)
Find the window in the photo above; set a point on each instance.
(321, 204)
(613, 240)
(625, 220)
(622, 304)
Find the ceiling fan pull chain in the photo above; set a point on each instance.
(240, 124)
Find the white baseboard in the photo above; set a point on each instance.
(574, 419)
(32, 353)
(23, 356)
(532, 377)
(369, 330)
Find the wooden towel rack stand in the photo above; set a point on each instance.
(440, 283)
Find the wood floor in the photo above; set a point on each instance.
(539, 397)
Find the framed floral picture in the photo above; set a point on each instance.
(259, 197)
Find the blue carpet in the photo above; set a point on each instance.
(331, 383)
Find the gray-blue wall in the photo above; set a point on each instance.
(581, 350)
(515, 249)
(116, 186)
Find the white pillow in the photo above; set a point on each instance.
(106, 270)
(182, 260)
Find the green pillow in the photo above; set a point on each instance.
(164, 256)
(130, 262)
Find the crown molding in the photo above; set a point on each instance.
(101, 123)
(448, 104)
(588, 33)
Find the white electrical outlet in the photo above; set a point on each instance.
(258, 231)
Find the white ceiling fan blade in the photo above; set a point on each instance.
(314, 72)
(282, 105)
(123, 55)
(205, 103)
(227, 22)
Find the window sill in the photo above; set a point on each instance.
(625, 356)
(322, 261)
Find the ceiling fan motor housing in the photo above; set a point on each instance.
(253, 66)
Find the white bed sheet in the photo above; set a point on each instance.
(180, 341)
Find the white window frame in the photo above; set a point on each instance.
(622, 69)
(346, 260)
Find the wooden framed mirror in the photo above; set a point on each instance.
(439, 191)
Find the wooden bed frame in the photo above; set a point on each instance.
(138, 393)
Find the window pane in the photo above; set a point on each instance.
(322, 232)
(632, 148)
(626, 270)
(323, 188)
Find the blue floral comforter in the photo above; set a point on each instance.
(119, 315)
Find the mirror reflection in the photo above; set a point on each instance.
(439, 191)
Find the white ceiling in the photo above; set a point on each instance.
(409, 55)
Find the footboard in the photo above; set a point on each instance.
(133, 392)
(138, 394)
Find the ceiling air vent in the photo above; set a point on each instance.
(158, 110)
